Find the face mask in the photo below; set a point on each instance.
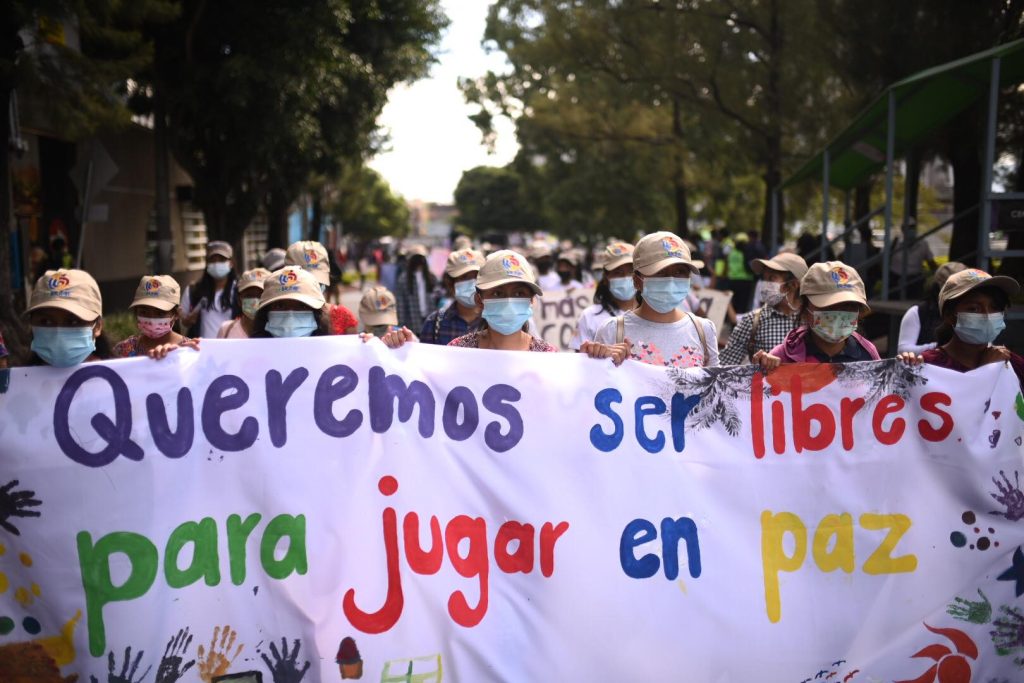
(565, 276)
(63, 347)
(507, 316)
(622, 288)
(979, 328)
(465, 293)
(154, 328)
(249, 307)
(218, 270)
(291, 323)
(665, 293)
(834, 326)
(772, 294)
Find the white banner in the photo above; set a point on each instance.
(265, 508)
(555, 315)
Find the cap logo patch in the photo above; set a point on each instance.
(976, 275)
(311, 258)
(463, 257)
(153, 287)
(289, 281)
(512, 267)
(59, 284)
(617, 249)
(382, 303)
(672, 247)
(840, 278)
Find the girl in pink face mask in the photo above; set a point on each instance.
(156, 308)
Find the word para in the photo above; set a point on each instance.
(144, 561)
(513, 552)
(227, 393)
(832, 529)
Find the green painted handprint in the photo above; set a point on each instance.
(967, 610)
(1019, 405)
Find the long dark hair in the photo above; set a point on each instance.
(930, 316)
(603, 297)
(414, 263)
(206, 288)
(259, 324)
(944, 331)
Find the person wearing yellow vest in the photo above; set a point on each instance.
(741, 277)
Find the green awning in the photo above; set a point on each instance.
(924, 103)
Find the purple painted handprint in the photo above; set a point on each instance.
(1009, 496)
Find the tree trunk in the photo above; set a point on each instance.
(964, 156)
(316, 219)
(277, 220)
(15, 333)
(164, 236)
(679, 178)
(861, 208)
(912, 184)
(773, 142)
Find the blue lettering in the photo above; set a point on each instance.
(603, 404)
(649, 405)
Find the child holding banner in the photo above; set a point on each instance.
(766, 327)
(615, 293)
(832, 304)
(462, 316)
(66, 315)
(973, 305)
(312, 257)
(156, 307)
(506, 287)
(291, 305)
(661, 334)
(250, 288)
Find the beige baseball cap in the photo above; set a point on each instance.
(570, 255)
(73, 290)
(294, 283)
(274, 259)
(960, 283)
(540, 249)
(219, 248)
(462, 242)
(312, 257)
(417, 250)
(833, 282)
(462, 261)
(660, 250)
(378, 307)
(947, 269)
(616, 254)
(506, 267)
(787, 263)
(253, 279)
(159, 291)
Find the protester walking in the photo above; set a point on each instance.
(614, 295)
(209, 303)
(291, 305)
(250, 288)
(919, 323)
(462, 315)
(156, 306)
(65, 313)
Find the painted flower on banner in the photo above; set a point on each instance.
(952, 665)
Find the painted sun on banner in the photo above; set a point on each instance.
(323, 509)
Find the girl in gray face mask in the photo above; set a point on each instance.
(973, 304)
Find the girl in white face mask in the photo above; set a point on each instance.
(973, 305)
(833, 302)
(156, 310)
(614, 296)
(213, 300)
(291, 305)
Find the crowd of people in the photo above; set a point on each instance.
(643, 309)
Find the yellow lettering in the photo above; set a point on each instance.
(773, 556)
(882, 561)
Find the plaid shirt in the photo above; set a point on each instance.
(443, 326)
(772, 329)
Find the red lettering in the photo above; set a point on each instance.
(802, 419)
(387, 616)
(548, 535)
(420, 561)
(848, 407)
(756, 414)
(473, 564)
(930, 403)
(522, 559)
(779, 427)
(887, 406)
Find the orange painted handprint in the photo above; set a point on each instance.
(216, 662)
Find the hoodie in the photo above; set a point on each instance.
(793, 349)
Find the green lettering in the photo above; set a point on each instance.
(94, 564)
(238, 534)
(205, 562)
(294, 560)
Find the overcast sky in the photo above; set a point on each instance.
(432, 140)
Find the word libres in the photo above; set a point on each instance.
(460, 412)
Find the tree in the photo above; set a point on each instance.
(366, 207)
(261, 95)
(491, 200)
(89, 85)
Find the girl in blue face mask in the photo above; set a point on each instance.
(973, 306)
(291, 305)
(462, 315)
(614, 296)
(66, 315)
(658, 331)
(506, 287)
